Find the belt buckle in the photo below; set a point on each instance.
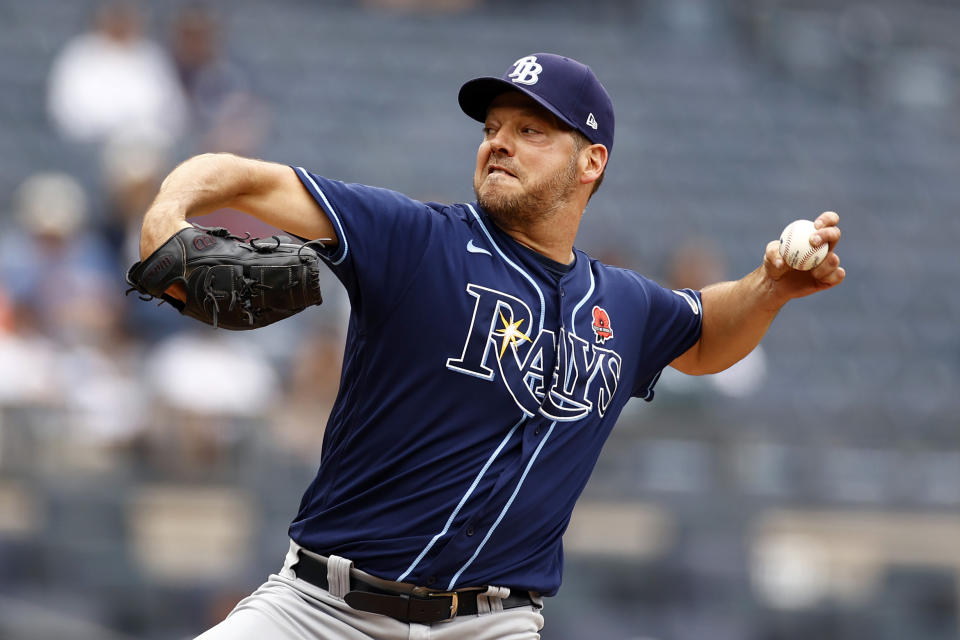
(454, 602)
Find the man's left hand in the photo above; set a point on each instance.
(787, 283)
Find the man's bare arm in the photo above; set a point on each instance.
(270, 192)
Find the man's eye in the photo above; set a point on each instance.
(531, 130)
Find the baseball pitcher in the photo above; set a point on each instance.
(487, 360)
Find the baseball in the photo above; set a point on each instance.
(795, 247)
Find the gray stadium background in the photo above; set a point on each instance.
(820, 499)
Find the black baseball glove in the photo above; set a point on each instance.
(231, 282)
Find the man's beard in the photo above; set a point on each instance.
(540, 202)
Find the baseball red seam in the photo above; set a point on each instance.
(809, 254)
(806, 256)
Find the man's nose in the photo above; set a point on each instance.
(501, 142)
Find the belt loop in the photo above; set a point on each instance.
(290, 561)
(338, 576)
(491, 600)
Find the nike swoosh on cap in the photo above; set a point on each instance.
(472, 248)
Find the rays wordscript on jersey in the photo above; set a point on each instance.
(503, 344)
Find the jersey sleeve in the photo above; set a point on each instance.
(673, 325)
(382, 237)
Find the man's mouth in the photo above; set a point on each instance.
(495, 168)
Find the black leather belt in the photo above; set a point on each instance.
(433, 606)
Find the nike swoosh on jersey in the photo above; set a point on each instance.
(472, 248)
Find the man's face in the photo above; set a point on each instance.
(527, 163)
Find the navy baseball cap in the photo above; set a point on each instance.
(566, 88)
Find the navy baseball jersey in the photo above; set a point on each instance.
(480, 381)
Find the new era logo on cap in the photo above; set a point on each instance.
(563, 86)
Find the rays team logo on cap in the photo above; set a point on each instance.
(601, 324)
(526, 70)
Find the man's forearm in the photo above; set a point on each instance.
(197, 186)
(207, 182)
(203, 184)
(736, 315)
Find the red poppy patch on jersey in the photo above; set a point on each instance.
(601, 324)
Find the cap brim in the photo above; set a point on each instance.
(476, 95)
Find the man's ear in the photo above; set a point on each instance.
(592, 161)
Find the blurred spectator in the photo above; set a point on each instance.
(132, 168)
(114, 78)
(27, 365)
(233, 379)
(6, 312)
(66, 348)
(315, 376)
(104, 398)
(694, 264)
(226, 113)
(53, 266)
(209, 387)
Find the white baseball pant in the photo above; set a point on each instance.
(288, 608)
